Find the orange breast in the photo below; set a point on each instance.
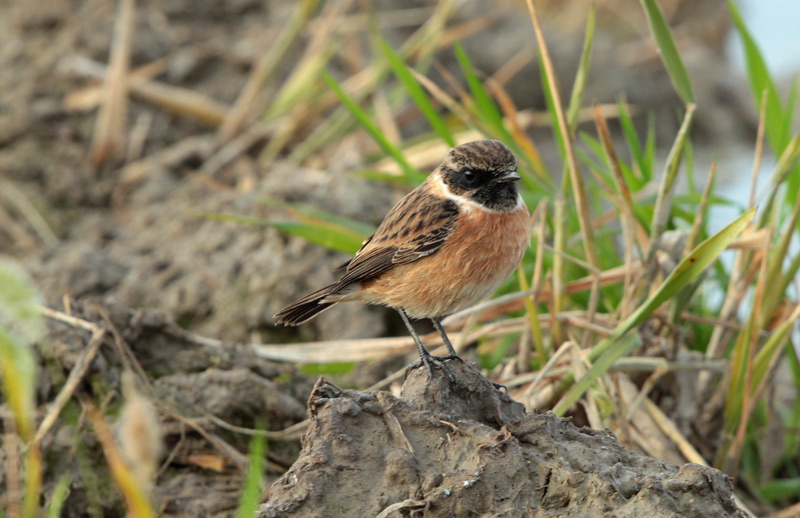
(477, 257)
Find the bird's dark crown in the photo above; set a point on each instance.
(479, 171)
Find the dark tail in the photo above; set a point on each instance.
(306, 308)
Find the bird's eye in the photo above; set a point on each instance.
(469, 176)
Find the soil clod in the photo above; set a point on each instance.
(467, 449)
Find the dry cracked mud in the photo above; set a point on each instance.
(468, 450)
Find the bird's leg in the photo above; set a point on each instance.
(425, 356)
(453, 354)
(438, 325)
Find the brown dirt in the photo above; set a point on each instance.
(191, 384)
(444, 450)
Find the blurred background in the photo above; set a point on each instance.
(180, 170)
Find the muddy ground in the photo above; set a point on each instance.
(442, 450)
(129, 252)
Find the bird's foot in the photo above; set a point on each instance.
(436, 361)
(439, 361)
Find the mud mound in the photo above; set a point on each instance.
(469, 450)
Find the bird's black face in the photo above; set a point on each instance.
(483, 171)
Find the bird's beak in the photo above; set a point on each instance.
(511, 176)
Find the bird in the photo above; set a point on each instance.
(445, 246)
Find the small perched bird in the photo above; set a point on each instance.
(444, 247)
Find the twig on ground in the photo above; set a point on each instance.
(223, 447)
(408, 504)
(288, 434)
(75, 377)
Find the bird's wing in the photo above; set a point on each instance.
(417, 226)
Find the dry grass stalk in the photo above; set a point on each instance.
(512, 117)
(18, 234)
(301, 83)
(557, 273)
(238, 115)
(749, 398)
(694, 235)
(528, 396)
(535, 335)
(385, 118)
(135, 497)
(139, 433)
(135, 172)
(13, 497)
(581, 201)
(235, 457)
(173, 99)
(513, 301)
(468, 28)
(138, 137)
(792, 511)
(514, 65)
(236, 147)
(738, 283)
(90, 97)
(20, 201)
(108, 141)
(626, 204)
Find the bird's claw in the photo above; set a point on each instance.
(437, 361)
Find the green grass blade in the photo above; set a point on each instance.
(669, 51)
(421, 43)
(417, 93)
(487, 116)
(483, 106)
(600, 170)
(793, 181)
(776, 260)
(315, 370)
(649, 156)
(780, 489)
(767, 355)
(612, 348)
(760, 80)
(583, 72)
(556, 127)
(19, 302)
(662, 210)
(254, 480)
(323, 233)
(790, 274)
(20, 325)
(310, 214)
(301, 86)
(573, 178)
(688, 157)
(635, 182)
(60, 494)
(267, 65)
(783, 170)
(790, 448)
(366, 122)
(791, 105)
(17, 367)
